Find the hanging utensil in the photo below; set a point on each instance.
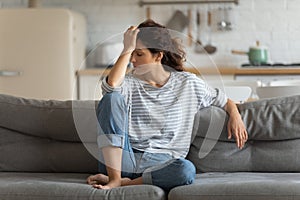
(190, 28)
(209, 48)
(148, 13)
(199, 47)
(222, 23)
(178, 21)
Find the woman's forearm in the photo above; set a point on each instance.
(118, 71)
(231, 108)
(235, 126)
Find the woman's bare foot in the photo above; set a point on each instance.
(101, 181)
(111, 184)
(98, 179)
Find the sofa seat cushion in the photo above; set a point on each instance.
(67, 186)
(240, 186)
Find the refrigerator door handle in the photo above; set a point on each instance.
(9, 73)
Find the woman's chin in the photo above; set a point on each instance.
(140, 71)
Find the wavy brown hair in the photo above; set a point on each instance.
(157, 38)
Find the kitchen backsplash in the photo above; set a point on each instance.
(275, 23)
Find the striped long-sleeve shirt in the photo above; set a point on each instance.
(161, 119)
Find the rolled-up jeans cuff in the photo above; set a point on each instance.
(110, 140)
(147, 177)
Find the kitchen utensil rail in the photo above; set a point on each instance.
(143, 3)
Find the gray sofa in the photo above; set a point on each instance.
(48, 149)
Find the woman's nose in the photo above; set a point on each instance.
(132, 59)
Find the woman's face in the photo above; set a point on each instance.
(142, 59)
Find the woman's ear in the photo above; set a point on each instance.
(159, 56)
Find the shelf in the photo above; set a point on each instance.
(145, 3)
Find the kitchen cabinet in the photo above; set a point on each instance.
(89, 86)
(89, 80)
(89, 83)
(266, 79)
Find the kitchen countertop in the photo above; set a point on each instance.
(212, 71)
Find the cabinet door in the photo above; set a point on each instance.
(265, 80)
(89, 87)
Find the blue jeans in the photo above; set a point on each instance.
(155, 168)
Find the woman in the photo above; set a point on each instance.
(148, 132)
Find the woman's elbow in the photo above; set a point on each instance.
(113, 83)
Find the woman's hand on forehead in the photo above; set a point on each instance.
(129, 40)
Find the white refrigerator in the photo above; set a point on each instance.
(40, 51)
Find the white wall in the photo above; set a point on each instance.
(275, 23)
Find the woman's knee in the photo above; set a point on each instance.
(172, 174)
(112, 105)
(186, 171)
(111, 99)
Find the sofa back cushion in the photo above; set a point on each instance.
(43, 136)
(273, 126)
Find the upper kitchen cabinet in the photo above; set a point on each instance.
(40, 51)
